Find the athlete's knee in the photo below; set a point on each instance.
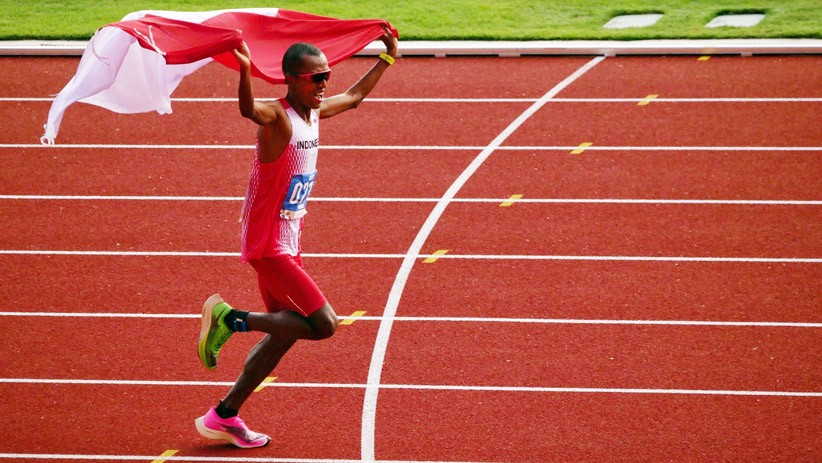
(327, 327)
(326, 330)
(325, 322)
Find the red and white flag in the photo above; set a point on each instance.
(134, 65)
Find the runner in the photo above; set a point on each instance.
(282, 176)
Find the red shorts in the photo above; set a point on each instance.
(284, 285)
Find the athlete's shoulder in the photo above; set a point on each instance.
(279, 106)
(282, 120)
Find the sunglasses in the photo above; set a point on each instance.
(315, 77)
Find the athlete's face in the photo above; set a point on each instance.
(312, 81)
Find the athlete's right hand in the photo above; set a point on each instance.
(243, 56)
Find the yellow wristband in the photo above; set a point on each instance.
(387, 58)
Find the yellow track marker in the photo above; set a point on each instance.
(703, 58)
(354, 316)
(581, 147)
(269, 379)
(433, 258)
(510, 201)
(645, 101)
(167, 453)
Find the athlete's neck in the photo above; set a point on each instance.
(302, 110)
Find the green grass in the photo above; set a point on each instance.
(449, 19)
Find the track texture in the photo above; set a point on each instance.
(652, 294)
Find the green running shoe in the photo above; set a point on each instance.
(214, 332)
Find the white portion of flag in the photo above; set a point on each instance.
(125, 69)
(116, 73)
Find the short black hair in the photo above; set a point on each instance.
(293, 57)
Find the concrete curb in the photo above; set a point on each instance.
(745, 47)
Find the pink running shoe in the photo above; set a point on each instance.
(232, 430)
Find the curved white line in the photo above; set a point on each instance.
(369, 411)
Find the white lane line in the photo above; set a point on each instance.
(577, 321)
(548, 321)
(95, 146)
(384, 331)
(120, 198)
(183, 254)
(220, 459)
(100, 315)
(596, 390)
(689, 100)
(808, 260)
(663, 148)
(789, 260)
(486, 100)
(740, 202)
(431, 387)
(98, 146)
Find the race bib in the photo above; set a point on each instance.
(297, 196)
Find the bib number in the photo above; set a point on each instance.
(297, 196)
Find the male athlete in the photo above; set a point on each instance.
(282, 176)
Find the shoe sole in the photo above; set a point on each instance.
(206, 321)
(219, 435)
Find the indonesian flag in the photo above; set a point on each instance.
(134, 65)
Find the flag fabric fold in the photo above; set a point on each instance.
(180, 42)
(134, 65)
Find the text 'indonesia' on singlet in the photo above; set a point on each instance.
(275, 201)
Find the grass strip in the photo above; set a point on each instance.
(451, 19)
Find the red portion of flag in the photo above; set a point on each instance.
(134, 65)
(181, 42)
(267, 37)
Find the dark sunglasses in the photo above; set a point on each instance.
(315, 77)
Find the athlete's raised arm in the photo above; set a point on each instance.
(261, 113)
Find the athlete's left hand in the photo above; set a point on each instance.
(391, 43)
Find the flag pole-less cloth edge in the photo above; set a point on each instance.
(134, 65)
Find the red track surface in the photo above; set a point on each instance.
(507, 359)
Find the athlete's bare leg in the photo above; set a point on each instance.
(261, 361)
(286, 324)
(284, 329)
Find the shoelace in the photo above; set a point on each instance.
(240, 428)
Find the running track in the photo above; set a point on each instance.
(653, 295)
